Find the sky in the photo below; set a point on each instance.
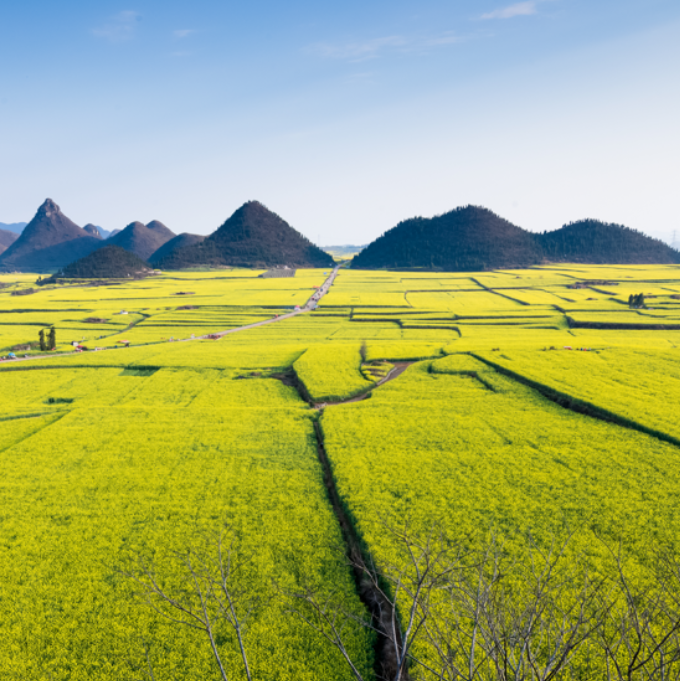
(344, 118)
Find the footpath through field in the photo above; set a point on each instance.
(395, 372)
(308, 307)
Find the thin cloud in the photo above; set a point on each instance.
(183, 32)
(119, 28)
(374, 47)
(520, 9)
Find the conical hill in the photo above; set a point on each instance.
(466, 239)
(107, 262)
(592, 241)
(48, 242)
(253, 236)
(142, 240)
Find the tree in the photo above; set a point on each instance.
(206, 598)
(52, 339)
(454, 610)
(363, 351)
(640, 636)
(43, 343)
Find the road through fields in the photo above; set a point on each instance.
(308, 307)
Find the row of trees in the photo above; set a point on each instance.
(451, 612)
(48, 342)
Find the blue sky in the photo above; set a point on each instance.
(344, 118)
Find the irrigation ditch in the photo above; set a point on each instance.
(384, 620)
(362, 564)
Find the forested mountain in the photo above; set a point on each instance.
(48, 242)
(180, 241)
(474, 239)
(142, 240)
(108, 262)
(592, 241)
(253, 236)
(466, 239)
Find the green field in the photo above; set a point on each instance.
(536, 404)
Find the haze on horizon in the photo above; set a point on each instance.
(342, 119)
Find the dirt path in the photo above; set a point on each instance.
(308, 307)
(398, 370)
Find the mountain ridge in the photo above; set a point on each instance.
(473, 238)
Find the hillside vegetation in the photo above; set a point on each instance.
(466, 239)
(595, 242)
(473, 239)
(179, 241)
(109, 262)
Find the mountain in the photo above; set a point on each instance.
(107, 262)
(180, 241)
(142, 240)
(49, 241)
(103, 233)
(7, 238)
(592, 241)
(467, 239)
(16, 227)
(252, 237)
(113, 232)
(93, 230)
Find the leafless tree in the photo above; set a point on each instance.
(450, 610)
(453, 614)
(206, 597)
(640, 636)
(403, 587)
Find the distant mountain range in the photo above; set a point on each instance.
(16, 227)
(7, 238)
(466, 239)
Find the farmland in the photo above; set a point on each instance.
(537, 402)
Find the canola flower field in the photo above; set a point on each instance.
(536, 401)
